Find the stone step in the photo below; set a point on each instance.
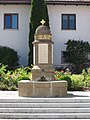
(24, 108)
(44, 105)
(46, 100)
(45, 116)
(44, 110)
(45, 119)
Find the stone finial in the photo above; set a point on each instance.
(42, 21)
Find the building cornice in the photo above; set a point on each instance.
(49, 2)
(68, 2)
(15, 2)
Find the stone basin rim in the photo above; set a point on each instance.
(43, 81)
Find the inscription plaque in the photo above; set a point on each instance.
(43, 53)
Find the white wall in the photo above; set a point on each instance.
(16, 39)
(82, 31)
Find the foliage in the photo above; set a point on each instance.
(38, 12)
(9, 79)
(75, 81)
(8, 56)
(81, 81)
(61, 75)
(77, 53)
(58, 74)
(68, 79)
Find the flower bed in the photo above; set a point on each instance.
(9, 78)
(75, 81)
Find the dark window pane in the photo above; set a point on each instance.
(71, 22)
(71, 25)
(68, 22)
(7, 22)
(65, 17)
(71, 17)
(11, 21)
(14, 21)
(65, 22)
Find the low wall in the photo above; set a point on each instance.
(42, 89)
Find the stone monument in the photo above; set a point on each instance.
(43, 54)
(42, 83)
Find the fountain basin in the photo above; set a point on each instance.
(42, 88)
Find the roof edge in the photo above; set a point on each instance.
(51, 2)
(68, 2)
(15, 2)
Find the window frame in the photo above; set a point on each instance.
(68, 15)
(11, 27)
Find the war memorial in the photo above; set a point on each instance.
(42, 83)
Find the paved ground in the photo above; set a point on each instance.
(70, 94)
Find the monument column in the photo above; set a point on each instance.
(43, 54)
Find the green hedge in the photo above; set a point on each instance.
(8, 56)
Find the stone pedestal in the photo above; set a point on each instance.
(38, 72)
(42, 89)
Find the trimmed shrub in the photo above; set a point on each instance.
(8, 56)
(67, 79)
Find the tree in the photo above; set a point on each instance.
(77, 53)
(38, 12)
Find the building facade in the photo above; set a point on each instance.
(14, 28)
(68, 20)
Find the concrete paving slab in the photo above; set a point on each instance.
(70, 94)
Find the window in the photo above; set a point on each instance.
(68, 22)
(10, 21)
(64, 57)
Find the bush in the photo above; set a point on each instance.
(67, 79)
(8, 56)
(77, 53)
(23, 78)
(77, 82)
(9, 79)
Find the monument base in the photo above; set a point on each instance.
(42, 89)
(46, 71)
